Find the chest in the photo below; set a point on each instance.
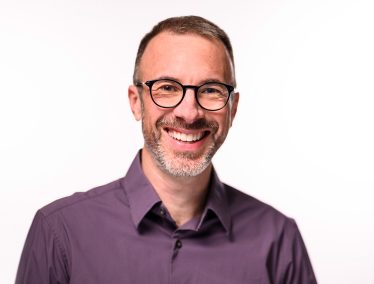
(123, 255)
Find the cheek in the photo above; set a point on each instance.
(147, 123)
(223, 121)
(226, 125)
(148, 113)
(150, 116)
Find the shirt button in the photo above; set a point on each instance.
(162, 212)
(178, 244)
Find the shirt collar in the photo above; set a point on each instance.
(142, 196)
(217, 202)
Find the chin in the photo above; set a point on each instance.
(183, 164)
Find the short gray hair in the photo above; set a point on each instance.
(185, 25)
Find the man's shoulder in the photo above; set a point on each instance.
(80, 200)
(248, 209)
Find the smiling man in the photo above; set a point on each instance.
(170, 219)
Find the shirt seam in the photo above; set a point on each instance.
(78, 201)
(289, 222)
(58, 241)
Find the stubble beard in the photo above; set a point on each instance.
(180, 164)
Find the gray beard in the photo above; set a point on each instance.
(181, 164)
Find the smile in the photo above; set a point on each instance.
(186, 137)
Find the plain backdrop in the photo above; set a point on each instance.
(302, 140)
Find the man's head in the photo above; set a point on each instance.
(182, 138)
(186, 25)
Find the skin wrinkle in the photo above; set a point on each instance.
(152, 142)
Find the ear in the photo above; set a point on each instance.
(234, 106)
(135, 102)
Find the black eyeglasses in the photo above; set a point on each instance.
(167, 93)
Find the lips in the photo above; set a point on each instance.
(186, 137)
(189, 134)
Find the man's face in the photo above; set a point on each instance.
(183, 140)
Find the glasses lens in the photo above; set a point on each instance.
(166, 93)
(213, 96)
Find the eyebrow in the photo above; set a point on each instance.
(208, 80)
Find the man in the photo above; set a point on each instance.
(170, 219)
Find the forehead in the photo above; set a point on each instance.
(185, 56)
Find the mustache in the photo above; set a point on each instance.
(178, 122)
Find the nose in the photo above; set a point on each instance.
(189, 109)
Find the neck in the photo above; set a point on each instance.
(184, 197)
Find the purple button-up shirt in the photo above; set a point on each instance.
(121, 233)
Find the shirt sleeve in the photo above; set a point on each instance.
(294, 259)
(43, 260)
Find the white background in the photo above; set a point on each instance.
(302, 140)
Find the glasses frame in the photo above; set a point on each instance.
(150, 83)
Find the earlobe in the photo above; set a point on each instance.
(135, 102)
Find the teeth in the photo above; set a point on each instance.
(186, 137)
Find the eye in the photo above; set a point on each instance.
(211, 91)
(168, 88)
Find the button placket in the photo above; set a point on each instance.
(177, 243)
